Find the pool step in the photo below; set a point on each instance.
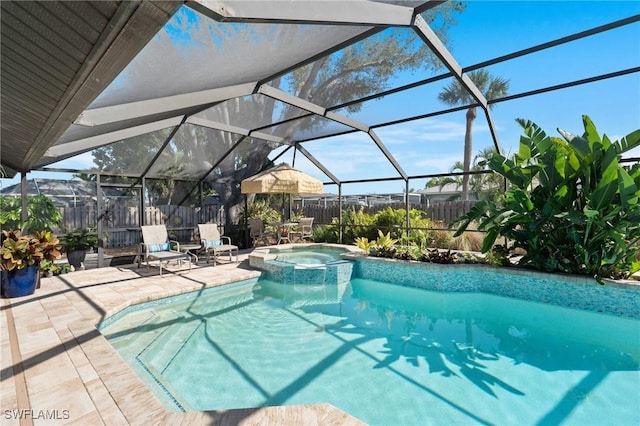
(156, 356)
(137, 328)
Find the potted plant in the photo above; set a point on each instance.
(20, 257)
(49, 268)
(76, 243)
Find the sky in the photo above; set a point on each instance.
(485, 30)
(613, 105)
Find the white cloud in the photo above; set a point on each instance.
(431, 129)
(440, 164)
(348, 158)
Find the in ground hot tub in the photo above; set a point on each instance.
(309, 264)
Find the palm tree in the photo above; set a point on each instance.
(485, 186)
(445, 180)
(456, 94)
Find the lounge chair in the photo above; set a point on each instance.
(304, 229)
(257, 231)
(157, 246)
(212, 242)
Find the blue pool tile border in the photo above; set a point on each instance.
(577, 292)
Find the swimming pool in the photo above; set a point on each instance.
(388, 353)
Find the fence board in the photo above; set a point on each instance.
(122, 223)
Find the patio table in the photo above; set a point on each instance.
(283, 230)
(190, 249)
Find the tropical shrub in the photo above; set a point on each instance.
(439, 256)
(79, 239)
(385, 245)
(498, 256)
(19, 251)
(395, 220)
(42, 213)
(572, 207)
(259, 209)
(49, 267)
(326, 233)
(411, 252)
(357, 223)
(364, 244)
(391, 221)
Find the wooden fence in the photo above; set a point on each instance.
(446, 212)
(122, 223)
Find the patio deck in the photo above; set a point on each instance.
(58, 369)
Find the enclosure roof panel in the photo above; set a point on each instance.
(215, 84)
(56, 58)
(194, 53)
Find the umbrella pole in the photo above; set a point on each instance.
(246, 221)
(283, 208)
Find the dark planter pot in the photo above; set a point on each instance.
(76, 258)
(20, 282)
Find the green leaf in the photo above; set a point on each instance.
(628, 142)
(537, 142)
(553, 171)
(591, 133)
(582, 147)
(572, 164)
(627, 188)
(562, 198)
(490, 239)
(525, 149)
(477, 212)
(566, 135)
(523, 200)
(589, 213)
(508, 169)
(607, 188)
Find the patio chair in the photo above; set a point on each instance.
(157, 246)
(212, 242)
(257, 231)
(304, 229)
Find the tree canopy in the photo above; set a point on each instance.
(223, 159)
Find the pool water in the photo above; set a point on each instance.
(308, 256)
(385, 354)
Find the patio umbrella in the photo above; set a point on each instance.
(281, 180)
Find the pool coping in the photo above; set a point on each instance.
(264, 253)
